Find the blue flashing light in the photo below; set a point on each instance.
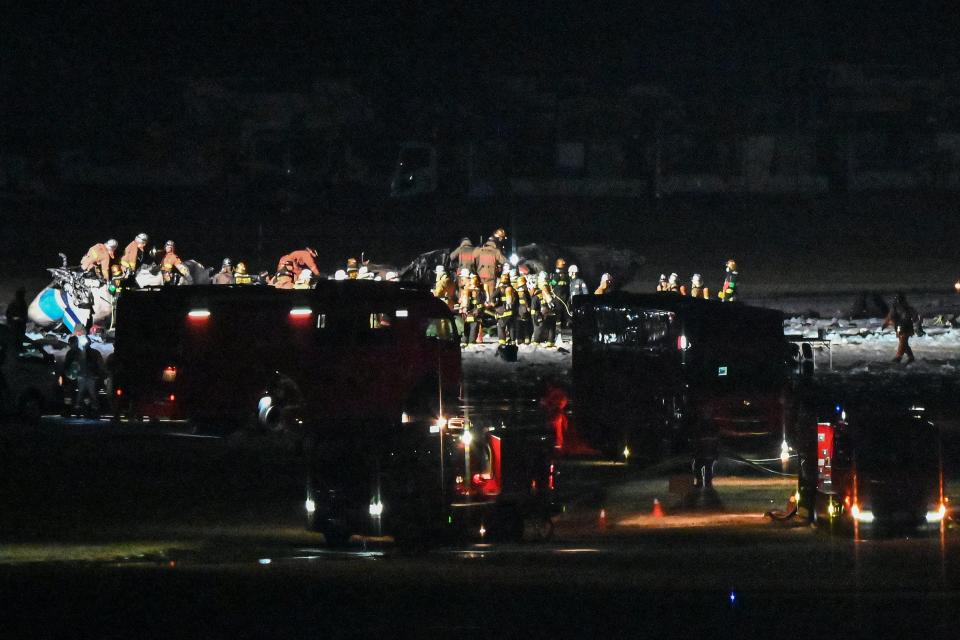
(839, 408)
(733, 597)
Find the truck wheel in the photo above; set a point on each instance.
(30, 408)
(336, 537)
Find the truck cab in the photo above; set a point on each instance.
(655, 372)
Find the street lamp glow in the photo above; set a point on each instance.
(467, 438)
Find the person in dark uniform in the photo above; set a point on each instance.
(544, 309)
(577, 285)
(524, 321)
(729, 291)
(472, 303)
(505, 307)
(560, 284)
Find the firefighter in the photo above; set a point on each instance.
(445, 289)
(499, 238)
(100, 255)
(284, 277)
(505, 307)
(606, 285)
(544, 309)
(300, 259)
(353, 269)
(116, 278)
(171, 266)
(577, 286)
(133, 254)
(560, 283)
(472, 303)
(696, 287)
(464, 256)
(663, 286)
(524, 321)
(240, 275)
(729, 291)
(905, 320)
(489, 261)
(304, 280)
(673, 283)
(225, 275)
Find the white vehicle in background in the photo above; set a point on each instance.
(29, 380)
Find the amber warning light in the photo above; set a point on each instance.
(169, 374)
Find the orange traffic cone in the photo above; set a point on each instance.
(602, 520)
(657, 509)
(791, 504)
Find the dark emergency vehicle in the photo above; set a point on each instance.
(367, 373)
(424, 482)
(871, 467)
(654, 373)
(351, 352)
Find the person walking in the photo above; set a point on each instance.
(905, 321)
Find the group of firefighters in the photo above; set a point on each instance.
(526, 307)
(101, 261)
(728, 292)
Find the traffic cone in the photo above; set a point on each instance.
(657, 509)
(791, 504)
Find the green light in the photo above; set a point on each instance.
(449, 519)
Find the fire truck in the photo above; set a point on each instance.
(424, 482)
(654, 373)
(350, 352)
(870, 467)
(368, 374)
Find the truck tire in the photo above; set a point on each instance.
(335, 537)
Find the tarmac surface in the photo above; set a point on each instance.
(109, 530)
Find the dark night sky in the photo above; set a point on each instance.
(297, 40)
(60, 65)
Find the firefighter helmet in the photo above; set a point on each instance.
(142, 237)
(606, 278)
(522, 281)
(116, 271)
(561, 263)
(696, 280)
(242, 268)
(352, 264)
(500, 234)
(112, 244)
(465, 272)
(226, 263)
(572, 269)
(731, 265)
(169, 243)
(439, 269)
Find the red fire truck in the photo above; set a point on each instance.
(877, 469)
(347, 352)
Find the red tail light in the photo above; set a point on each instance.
(119, 392)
